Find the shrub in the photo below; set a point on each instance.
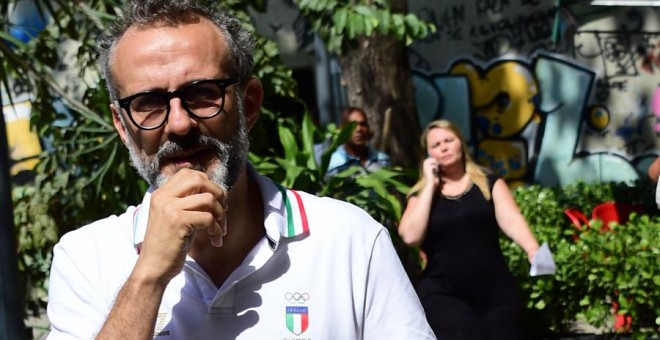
(595, 269)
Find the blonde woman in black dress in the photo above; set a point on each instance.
(455, 212)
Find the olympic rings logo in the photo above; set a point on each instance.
(296, 297)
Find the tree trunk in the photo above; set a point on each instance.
(376, 77)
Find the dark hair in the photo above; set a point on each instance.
(145, 13)
(344, 119)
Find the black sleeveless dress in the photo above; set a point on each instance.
(466, 289)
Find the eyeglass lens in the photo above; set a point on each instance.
(204, 99)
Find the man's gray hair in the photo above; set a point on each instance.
(144, 13)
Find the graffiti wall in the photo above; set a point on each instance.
(543, 94)
(25, 22)
(540, 97)
(24, 143)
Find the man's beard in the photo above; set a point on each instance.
(223, 171)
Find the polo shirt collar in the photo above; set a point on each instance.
(284, 211)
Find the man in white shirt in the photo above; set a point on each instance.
(216, 250)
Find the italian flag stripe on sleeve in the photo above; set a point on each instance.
(295, 212)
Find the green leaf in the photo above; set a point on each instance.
(385, 22)
(288, 143)
(308, 130)
(340, 19)
(368, 27)
(540, 305)
(355, 26)
(398, 26)
(364, 11)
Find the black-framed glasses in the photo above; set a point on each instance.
(202, 99)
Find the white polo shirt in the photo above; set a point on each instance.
(325, 270)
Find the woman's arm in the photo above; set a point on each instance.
(412, 227)
(511, 221)
(654, 170)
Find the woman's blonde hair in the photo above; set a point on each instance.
(476, 173)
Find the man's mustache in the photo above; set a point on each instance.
(183, 143)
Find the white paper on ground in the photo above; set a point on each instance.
(543, 263)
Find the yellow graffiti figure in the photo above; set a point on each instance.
(24, 144)
(503, 98)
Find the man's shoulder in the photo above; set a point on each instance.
(325, 202)
(321, 213)
(335, 213)
(106, 230)
(381, 156)
(338, 158)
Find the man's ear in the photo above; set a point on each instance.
(254, 96)
(119, 126)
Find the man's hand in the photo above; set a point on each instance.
(188, 203)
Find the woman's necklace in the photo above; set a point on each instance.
(458, 197)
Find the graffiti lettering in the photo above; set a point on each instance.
(602, 90)
(450, 22)
(533, 27)
(454, 17)
(515, 31)
(619, 85)
(624, 53)
(417, 60)
(630, 131)
(606, 85)
(491, 47)
(616, 50)
(428, 15)
(492, 6)
(454, 34)
(512, 32)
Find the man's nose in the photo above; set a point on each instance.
(179, 121)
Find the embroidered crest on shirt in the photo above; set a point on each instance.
(297, 315)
